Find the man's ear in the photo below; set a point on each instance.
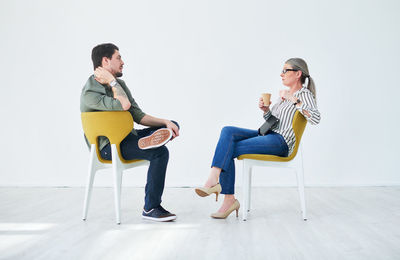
(105, 61)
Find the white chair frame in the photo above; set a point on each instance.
(117, 168)
(296, 164)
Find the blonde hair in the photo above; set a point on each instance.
(300, 64)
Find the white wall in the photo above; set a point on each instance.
(204, 64)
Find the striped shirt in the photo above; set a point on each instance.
(285, 110)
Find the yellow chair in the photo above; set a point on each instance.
(292, 161)
(115, 125)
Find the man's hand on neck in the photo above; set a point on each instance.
(103, 76)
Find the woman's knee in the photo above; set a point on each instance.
(227, 130)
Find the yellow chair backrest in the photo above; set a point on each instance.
(115, 125)
(299, 124)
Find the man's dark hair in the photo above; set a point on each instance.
(102, 50)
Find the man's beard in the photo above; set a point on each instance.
(118, 74)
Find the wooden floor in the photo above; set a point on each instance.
(343, 223)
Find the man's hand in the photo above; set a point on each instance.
(103, 76)
(173, 127)
(152, 121)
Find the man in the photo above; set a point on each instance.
(104, 91)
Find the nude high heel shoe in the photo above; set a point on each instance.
(203, 192)
(235, 206)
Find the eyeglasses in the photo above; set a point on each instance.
(286, 70)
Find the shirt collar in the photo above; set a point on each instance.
(300, 90)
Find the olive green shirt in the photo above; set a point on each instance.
(98, 97)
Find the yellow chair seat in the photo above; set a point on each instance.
(265, 157)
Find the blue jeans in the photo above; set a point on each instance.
(158, 158)
(235, 141)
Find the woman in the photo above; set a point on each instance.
(279, 140)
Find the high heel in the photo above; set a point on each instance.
(203, 192)
(235, 206)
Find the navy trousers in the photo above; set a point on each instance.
(158, 158)
(235, 141)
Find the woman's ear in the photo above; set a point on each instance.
(298, 74)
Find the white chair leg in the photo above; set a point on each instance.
(91, 173)
(300, 185)
(246, 187)
(249, 189)
(117, 172)
(117, 194)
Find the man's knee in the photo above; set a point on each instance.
(161, 152)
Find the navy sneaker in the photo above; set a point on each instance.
(158, 214)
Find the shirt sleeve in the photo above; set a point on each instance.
(95, 98)
(267, 115)
(309, 104)
(136, 112)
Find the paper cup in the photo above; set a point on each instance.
(266, 98)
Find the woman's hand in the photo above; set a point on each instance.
(262, 106)
(284, 94)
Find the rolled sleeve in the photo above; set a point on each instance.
(99, 101)
(308, 103)
(136, 112)
(96, 97)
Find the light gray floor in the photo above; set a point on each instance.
(344, 223)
